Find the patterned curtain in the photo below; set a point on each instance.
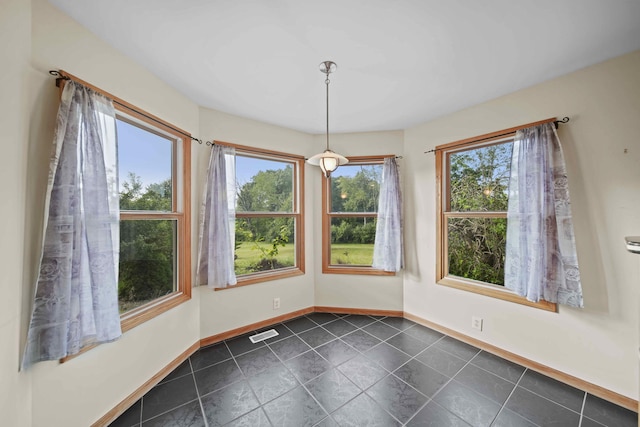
(217, 224)
(388, 251)
(76, 297)
(541, 259)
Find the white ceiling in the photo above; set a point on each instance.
(400, 62)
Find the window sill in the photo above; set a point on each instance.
(494, 292)
(252, 279)
(367, 271)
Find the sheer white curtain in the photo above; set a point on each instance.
(388, 251)
(541, 259)
(76, 296)
(217, 224)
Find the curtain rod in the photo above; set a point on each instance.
(555, 123)
(60, 76)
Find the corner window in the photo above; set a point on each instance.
(472, 216)
(269, 198)
(350, 212)
(154, 266)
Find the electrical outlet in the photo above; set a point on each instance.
(476, 323)
(276, 303)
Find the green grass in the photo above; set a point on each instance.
(247, 255)
(351, 253)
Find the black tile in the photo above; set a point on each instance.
(397, 397)
(380, 330)
(283, 332)
(242, 344)
(336, 352)
(425, 379)
(229, 403)
(129, 418)
(564, 394)
(362, 372)
(183, 369)
(466, 404)
(507, 418)
(289, 347)
(398, 322)
(441, 361)
(364, 411)
(256, 361)
(499, 366)
(255, 418)
(424, 334)
(317, 336)
(485, 383)
(588, 422)
(187, 415)
(434, 415)
(167, 396)
(300, 324)
(339, 327)
(457, 348)
(272, 383)
(217, 376)
(359, 320)
(360, 340)
(294, 409)
(332, 389)
(210, 355)
(608, 413)
(307, 366)
(539, 410)
(327, 422)
(387, 357)
(322, 318)
(407, 344)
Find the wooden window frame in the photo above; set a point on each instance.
(181, 211)
(298, 214)
(443, 213)
(327, 215)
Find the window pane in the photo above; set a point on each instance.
(352, 240)
(147, 261)
(264, 244)
(355, 188)
(477, 248)
(263, 185)
(144, 166)
(479, 178)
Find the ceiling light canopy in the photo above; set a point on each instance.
(328, 160)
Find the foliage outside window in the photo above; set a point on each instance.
(154, 266)
(349, 206)
(268, 219)
(472, 215)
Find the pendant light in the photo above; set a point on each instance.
(328, 160)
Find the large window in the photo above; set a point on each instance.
(269, 215)
(350, 212)
(154, 266)
(473, 176)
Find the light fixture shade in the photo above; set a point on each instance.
(328, 161)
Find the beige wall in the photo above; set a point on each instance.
(232, 308)
(599, 343)
(81, 390)
(15, 44)
(347, 290)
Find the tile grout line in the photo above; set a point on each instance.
(195, 384)
(509, 397)
(584, 401)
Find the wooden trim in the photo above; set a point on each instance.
(356, 269)
(457, 214)
(258, 325)
(488, 290)
(262, 277)
(596, 390)
(353, 214)
(134, 215)
(377, 159)
(491, 135)
(358, 311)
(121, 407)
(255, 150)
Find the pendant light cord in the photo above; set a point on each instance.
(326, 82)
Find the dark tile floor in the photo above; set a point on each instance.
(328, 370)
